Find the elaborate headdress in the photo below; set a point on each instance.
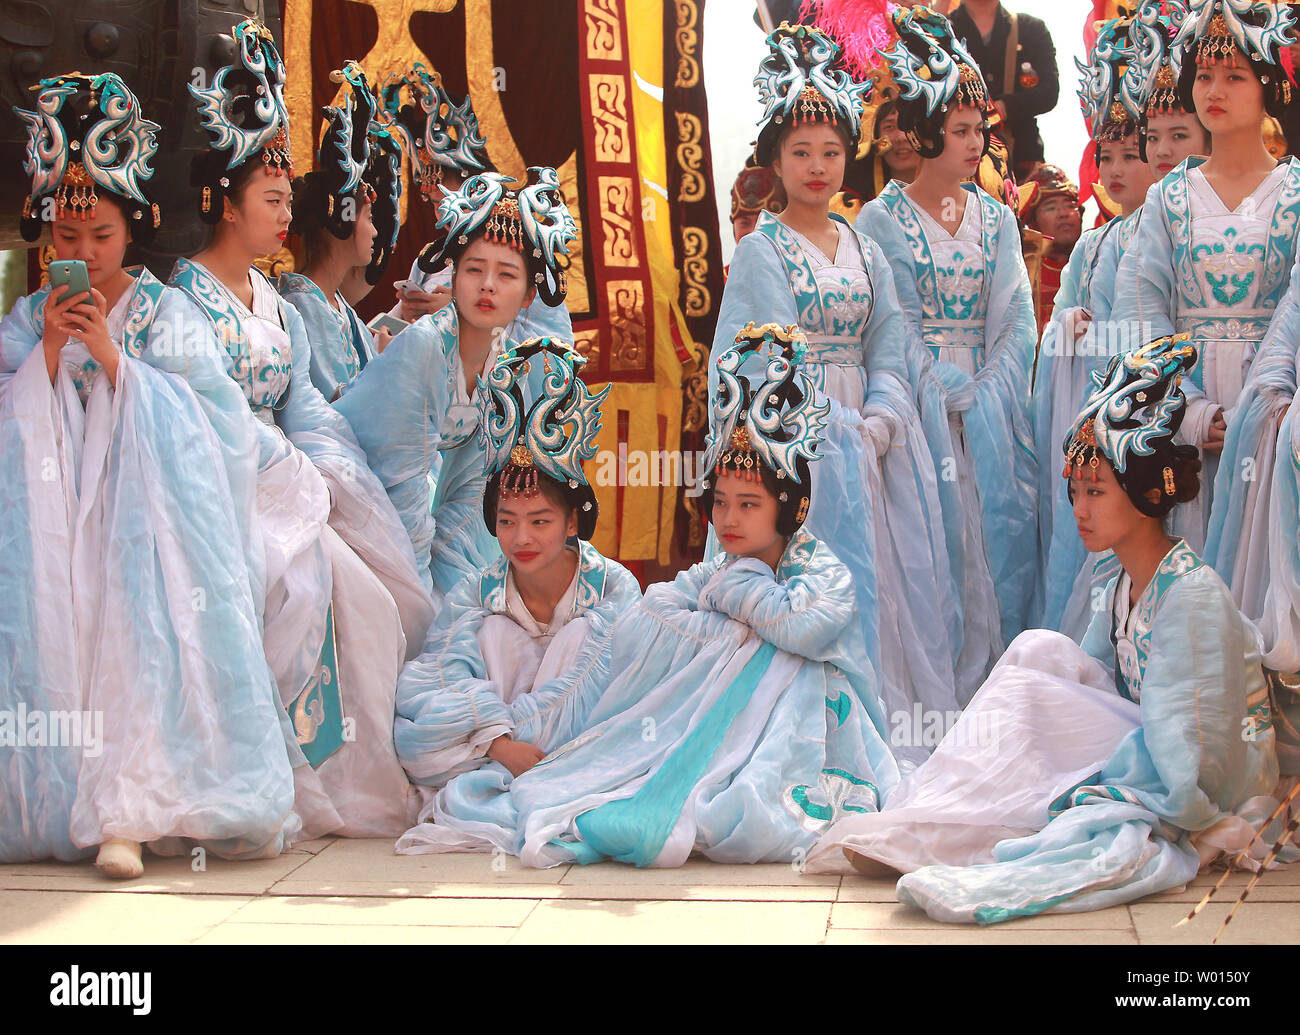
(334, 192)
(934, 72)
(384, 176)
(777, 425)
(1150, 83)
(1046, 181)
(1131, 417)
(800, 81)
(439, 133)
(243, 108)
(549, 438)
(533, 219)
(1110, 111)
(87, 134)
(1215, 30)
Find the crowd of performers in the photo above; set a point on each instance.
(1010, 611)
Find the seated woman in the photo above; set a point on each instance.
(413, 409)
(482, 690)
(126, 623)
(338, 210)
(733, 715)
(446, 147)
(1082, 778)
(343, 604)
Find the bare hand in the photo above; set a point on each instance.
(516, 755)
(57, 332)
(382, 337)
(421, 303)
(1215, 435)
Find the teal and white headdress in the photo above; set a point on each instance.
(1217, 28)
(1110, 112)
(801, 80)
(384, 176)
(335, 191)
(778, 425)
(438, 133)
(534, 220)
(1150, 83)
(547, 438)
(1133, 413)
(86, 134)
(243, 109)
(933, 71)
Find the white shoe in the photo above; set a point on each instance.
(120, 859)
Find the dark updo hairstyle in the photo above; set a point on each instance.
(797, 494)
(80, 110)
(1271, 76)
(208, 170)
(580, 500)
(1144, 473)
(1144, 125)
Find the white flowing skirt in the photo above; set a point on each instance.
(1047, 719)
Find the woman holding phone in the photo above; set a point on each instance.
(149, 722)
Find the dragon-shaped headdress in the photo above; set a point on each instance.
(1111, 112)
(243, 108)
(801, 80)
(1150, 83)
(533, 219)
(549, 438)
(438, 133)
(335, 191)
(1133, 412)
(933, 72)
(384, 176)
(778, 424)
(87, 133)
(1215, 29)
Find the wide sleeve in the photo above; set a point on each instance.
(556, 712)
(361, 511)
(395, 408)
(1189, 763)
(448, 710)
(327, 347)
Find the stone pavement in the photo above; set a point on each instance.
(355, 892)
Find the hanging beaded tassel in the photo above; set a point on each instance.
(1217, 44)
(81, 199)
(503, 225)
(740, 456)
(519, 479)
(1083, 450)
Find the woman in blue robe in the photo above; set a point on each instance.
(343, 604)
(730, 711)
(1214, 252)
(1080, 778)
(338, 209)
(956, 257)
(136, 700)
(446, 146)
(877, 503)
(493, 685)
(413, 409)
(1127, 88)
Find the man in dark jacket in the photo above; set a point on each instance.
(1018, 59)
